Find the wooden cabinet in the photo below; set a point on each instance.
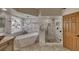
(71, 31)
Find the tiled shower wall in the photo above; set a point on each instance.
(59, 28)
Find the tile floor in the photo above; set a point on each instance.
(37, 47)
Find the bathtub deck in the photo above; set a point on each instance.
(37, 47)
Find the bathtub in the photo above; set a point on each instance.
(25, 40)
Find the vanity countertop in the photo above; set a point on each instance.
(5, 39)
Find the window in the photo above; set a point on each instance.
(1, 22)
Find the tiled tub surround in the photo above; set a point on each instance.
(28, 25)
(31, 25)
(16, 25)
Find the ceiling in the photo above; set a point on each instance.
(51, 11)
(41, 11)
(31, 11)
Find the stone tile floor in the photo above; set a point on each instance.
(37, 47)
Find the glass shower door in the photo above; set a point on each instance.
(50, 32)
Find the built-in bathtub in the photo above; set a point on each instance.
(25, 40)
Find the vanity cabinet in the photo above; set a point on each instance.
(7, 43)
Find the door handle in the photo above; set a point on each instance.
(77, 35)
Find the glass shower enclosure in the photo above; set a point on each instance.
(50, 32)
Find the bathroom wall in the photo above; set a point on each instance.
(31, 24)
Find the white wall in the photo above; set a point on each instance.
(70, 10)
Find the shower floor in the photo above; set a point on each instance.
(50, 40)
(37, 47)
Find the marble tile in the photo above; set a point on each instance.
(37, 47)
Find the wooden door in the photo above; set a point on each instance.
(71, 31)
